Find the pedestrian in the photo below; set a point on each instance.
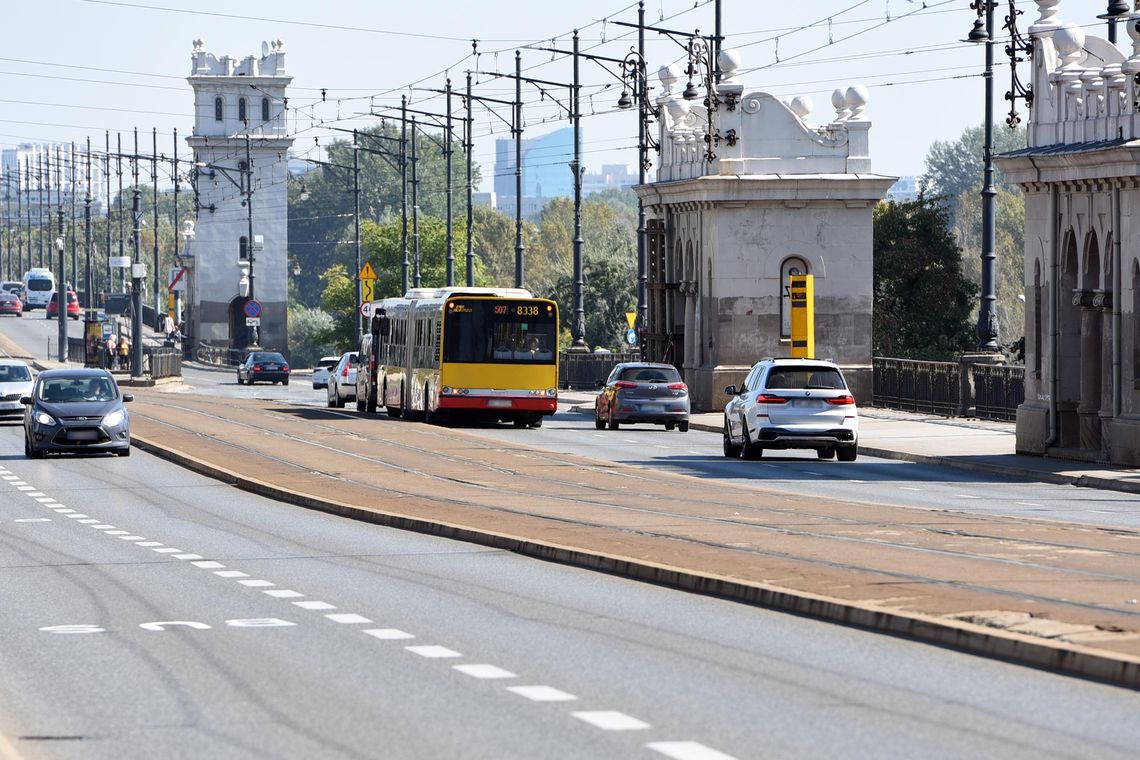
(124, 353)
(168, 328)
(110, 354)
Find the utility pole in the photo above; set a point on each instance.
(404, 191)
(177, 228)
(468, 139)
(122, 237)
(356, 231)
(249, 222)
(518, 130)
(450, 235)
(107, 184)
(159, 306)
(88, 280)
(415, 208)
(72, 171)
(576, 167)
(136, 282)
(61, 288)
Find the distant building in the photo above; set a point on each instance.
(906, 189)
(31, 179)
(611, 177)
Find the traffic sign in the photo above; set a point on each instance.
(367, 272)
(252, 308)
(631, 337)
(253, 321)
(367, 290)
(366, 309)
(120, 262)
(177, 280)
(630, 318)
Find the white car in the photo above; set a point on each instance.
(16, 381)
(791, 404)
(342, 380)
(321, 371)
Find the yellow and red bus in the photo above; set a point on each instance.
(482, 353)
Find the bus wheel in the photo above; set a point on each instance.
(518, 422)
(430, 417)
(535, 422)
(393, 411)
(370, 407)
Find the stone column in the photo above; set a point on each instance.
(1102, 302)
(1088, 409)
(689, 290)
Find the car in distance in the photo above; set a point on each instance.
(15, 287)
(72, 305)
(643, 392)
(76, 410)
(321, 371)
(342, 380)
(791, 404)
(16, 381)
(39, 284)
(10, 303)
(267, 366)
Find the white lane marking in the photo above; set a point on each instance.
(118, 533)
(21, 486)
(78, 516)
(659, 446)
(63, 510)
(149, 544)
(630, 440)
(347, 618)
(388, 633)
(909, 488)
(188, 556)
(688, 751)
(484, 671)
(103, 526)
(132, 538)
(257, 583)
(542, 693)
(852, 480)
(1028, 504)
(433, 651)
(208, 564)
(33, 519)
(230, 574)
(40, 496)
(11, 477)
(965, 496)
(167, 550)
(611, 720)
(283, 593)
(315, 605)
(88, 521)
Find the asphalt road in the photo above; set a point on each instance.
(153, 612)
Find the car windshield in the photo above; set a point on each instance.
(65, 390)
(326, 363)
(805, 378)
(267, 357)
(13, 373)
(651, 375)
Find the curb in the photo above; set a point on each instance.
(1070, 659)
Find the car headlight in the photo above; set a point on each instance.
(43, 418)
(114, 418)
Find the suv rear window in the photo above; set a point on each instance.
(651, 374)
(804, 378)
(267, 357)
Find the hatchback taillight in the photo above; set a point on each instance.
(678, 387)
(624, 384)
(845, 400)
(345, 372)
(768, 398)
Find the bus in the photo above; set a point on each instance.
(478, 353)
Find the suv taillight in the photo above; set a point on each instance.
(845, 400)
(768, 398)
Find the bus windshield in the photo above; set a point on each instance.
(500, 331)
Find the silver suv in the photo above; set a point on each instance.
(791, 404)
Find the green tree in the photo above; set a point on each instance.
(494, 245)
(338, 300)
(383, 246)
(310, 335)
(955, 167)
(922, 300)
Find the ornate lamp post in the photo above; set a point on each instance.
(987, 329)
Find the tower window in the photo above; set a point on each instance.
(265, 109)
(218, 109)
(243, 248)
(241, 109)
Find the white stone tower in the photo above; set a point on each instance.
(240, 150)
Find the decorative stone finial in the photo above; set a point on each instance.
(1132, 65)
(199, 45)
(1046, 23)
(839, 102)
(668, 76)
(729, 61)
(1069, 40)
(801, 106)
(856, 98)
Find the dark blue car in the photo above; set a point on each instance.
(76, 410)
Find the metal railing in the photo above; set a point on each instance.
(587, 371)
(222, 356)
(998, 391)
(951, 389)
(162, 361)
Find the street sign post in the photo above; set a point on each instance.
(177, 280)
(252, 308)
(367, 284)
(253, 321)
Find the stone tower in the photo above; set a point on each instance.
(240, 150)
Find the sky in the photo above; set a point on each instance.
(73, 69)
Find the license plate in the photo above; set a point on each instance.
(83, 435)
(499, 403)
(807, 403)
(652, 408)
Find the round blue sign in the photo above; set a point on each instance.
(631, 337)
(253, 308)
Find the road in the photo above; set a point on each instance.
(154, 612)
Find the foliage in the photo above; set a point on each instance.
(383, 245)
(922, 300)
(310, 335)
(953, 168)
(494, 245)
(338, 299)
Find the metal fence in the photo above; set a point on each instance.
(587, 371)
(162, 361)
(218, 355)
(951, 389)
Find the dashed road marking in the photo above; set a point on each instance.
(965, 496)
(118, 533)
(315, 605)
(103, 526)
(1028, 504)
(87, 521)
(611, 720)
(208, 564)
(542, 693)
(188, 556)
(257, 583)
(149, 544)
(484, 671)
(433, 651)
(77, 516)
(388, 633)
(348, 618)
(230, 574)
(283, 593)
(33, 519)
(167, 550)
(688, 751)
(132, 538)
(909, 488)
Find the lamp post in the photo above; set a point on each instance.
(138, 273)
(61, 294)
(987, 329)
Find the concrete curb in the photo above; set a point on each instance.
(1070, 659)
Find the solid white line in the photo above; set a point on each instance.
(230, 574)
(257, 583)
(688, 751)
(433, 651)
(542, 693)
(347, 618)
(208, 565)
(484, 671)
(283, 593)
(611, 720)
(1028, 504)
(315, 605)
(388, 633)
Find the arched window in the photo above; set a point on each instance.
(241, 109)
(265, 109)
(243, 248)
(218, 115)
(792, 265)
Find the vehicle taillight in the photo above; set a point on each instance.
(842, 400)
(257, 368)
(768, 398)
(344, 373)
(284, 367)
(624, 384)
(678, 387)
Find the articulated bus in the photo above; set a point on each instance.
(482, 353)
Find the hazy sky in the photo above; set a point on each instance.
(75, 68)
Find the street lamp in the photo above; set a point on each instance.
(61, 295)
(987, 328)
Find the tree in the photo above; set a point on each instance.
(338, 300)
(383, 246)
(922, 300)
(310, 335)
(953, 168)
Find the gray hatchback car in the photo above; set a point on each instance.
(76, 410)
(643, 392)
